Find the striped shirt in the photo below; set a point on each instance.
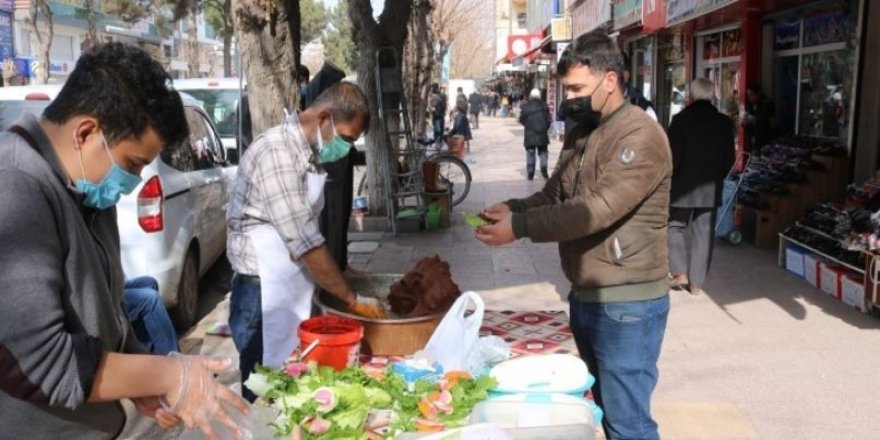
(271, 188)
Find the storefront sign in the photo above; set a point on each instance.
(825, 27)
(560, 29)
(7, 5)
(551, 96)
(786, 34)
(653, 15)
(6, 48)
(61, 67)
(560, 47)
(518, 45)
(627, 13)
(678, 11)
(22, 67)
(589, 15)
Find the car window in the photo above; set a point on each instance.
(212, 142)
(220, 105)
(180, 158)
(11, 111)
(203, 156)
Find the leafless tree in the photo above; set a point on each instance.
(44, 38)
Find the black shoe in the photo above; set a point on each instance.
(544, 173)
(531, 177)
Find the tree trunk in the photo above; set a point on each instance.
(369, 36)
(228, 32)
(44, 42)
(294, 26)
(192, 45)
(92, 34)
(268, 62)
(419, 64)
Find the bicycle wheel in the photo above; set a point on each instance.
(455, 174)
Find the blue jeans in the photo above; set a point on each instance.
(149, 319)
(620, 342)
(246, 325)
(438, 126)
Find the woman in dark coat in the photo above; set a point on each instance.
(535, 117)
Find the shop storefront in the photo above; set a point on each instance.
(811, 75)
(718, 59)
(672, 76)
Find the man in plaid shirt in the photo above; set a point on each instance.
(278, 190)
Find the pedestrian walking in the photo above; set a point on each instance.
(702, 142)
(274, 244)
(437, 107)
(475, 103)
(461, 102)
(460, 124)
(535, 117)
(606, 204)
(67, 351)
(505, 106)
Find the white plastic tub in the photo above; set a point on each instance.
(539, 416)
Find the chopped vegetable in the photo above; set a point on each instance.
(321, 403)
(474, 220)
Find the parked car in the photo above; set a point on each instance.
(221, 98)
(173, 225)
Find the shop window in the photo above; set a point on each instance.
(814, 72)
(823, 109)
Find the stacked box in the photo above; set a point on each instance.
(794, 260)
(854, 291)
(831, 279)
(812, 270)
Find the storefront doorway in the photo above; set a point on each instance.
(671, 77)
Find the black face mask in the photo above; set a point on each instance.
(580, 110)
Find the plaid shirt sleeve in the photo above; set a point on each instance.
(281, 181)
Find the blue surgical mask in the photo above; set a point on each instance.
(106, 193)
(336, 149)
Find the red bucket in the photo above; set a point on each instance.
(339, 340)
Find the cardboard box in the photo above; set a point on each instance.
(794, 260)
(854, 291)
(812, 270)
(831, 279)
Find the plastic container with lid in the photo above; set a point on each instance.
(555, 373)
(539, 416)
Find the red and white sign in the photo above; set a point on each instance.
(518, 45)
(653, 15)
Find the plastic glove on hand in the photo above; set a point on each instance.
(199, 399)
(368, 307)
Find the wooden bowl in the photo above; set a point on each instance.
(382, 337)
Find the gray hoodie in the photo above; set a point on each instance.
(61, 287)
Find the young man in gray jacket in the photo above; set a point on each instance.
(67, 354)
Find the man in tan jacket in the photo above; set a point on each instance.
(606, 205)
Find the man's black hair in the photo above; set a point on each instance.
(126, 90)
(346, 102)
(595, 50)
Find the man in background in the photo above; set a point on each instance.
(702, 142)
(475, 101)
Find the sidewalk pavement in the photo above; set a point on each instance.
(762, 356)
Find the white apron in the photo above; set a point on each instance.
(286, 287)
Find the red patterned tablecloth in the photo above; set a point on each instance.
(527, 333)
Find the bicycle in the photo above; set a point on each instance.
(452, 171)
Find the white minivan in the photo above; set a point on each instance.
(172, 227)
